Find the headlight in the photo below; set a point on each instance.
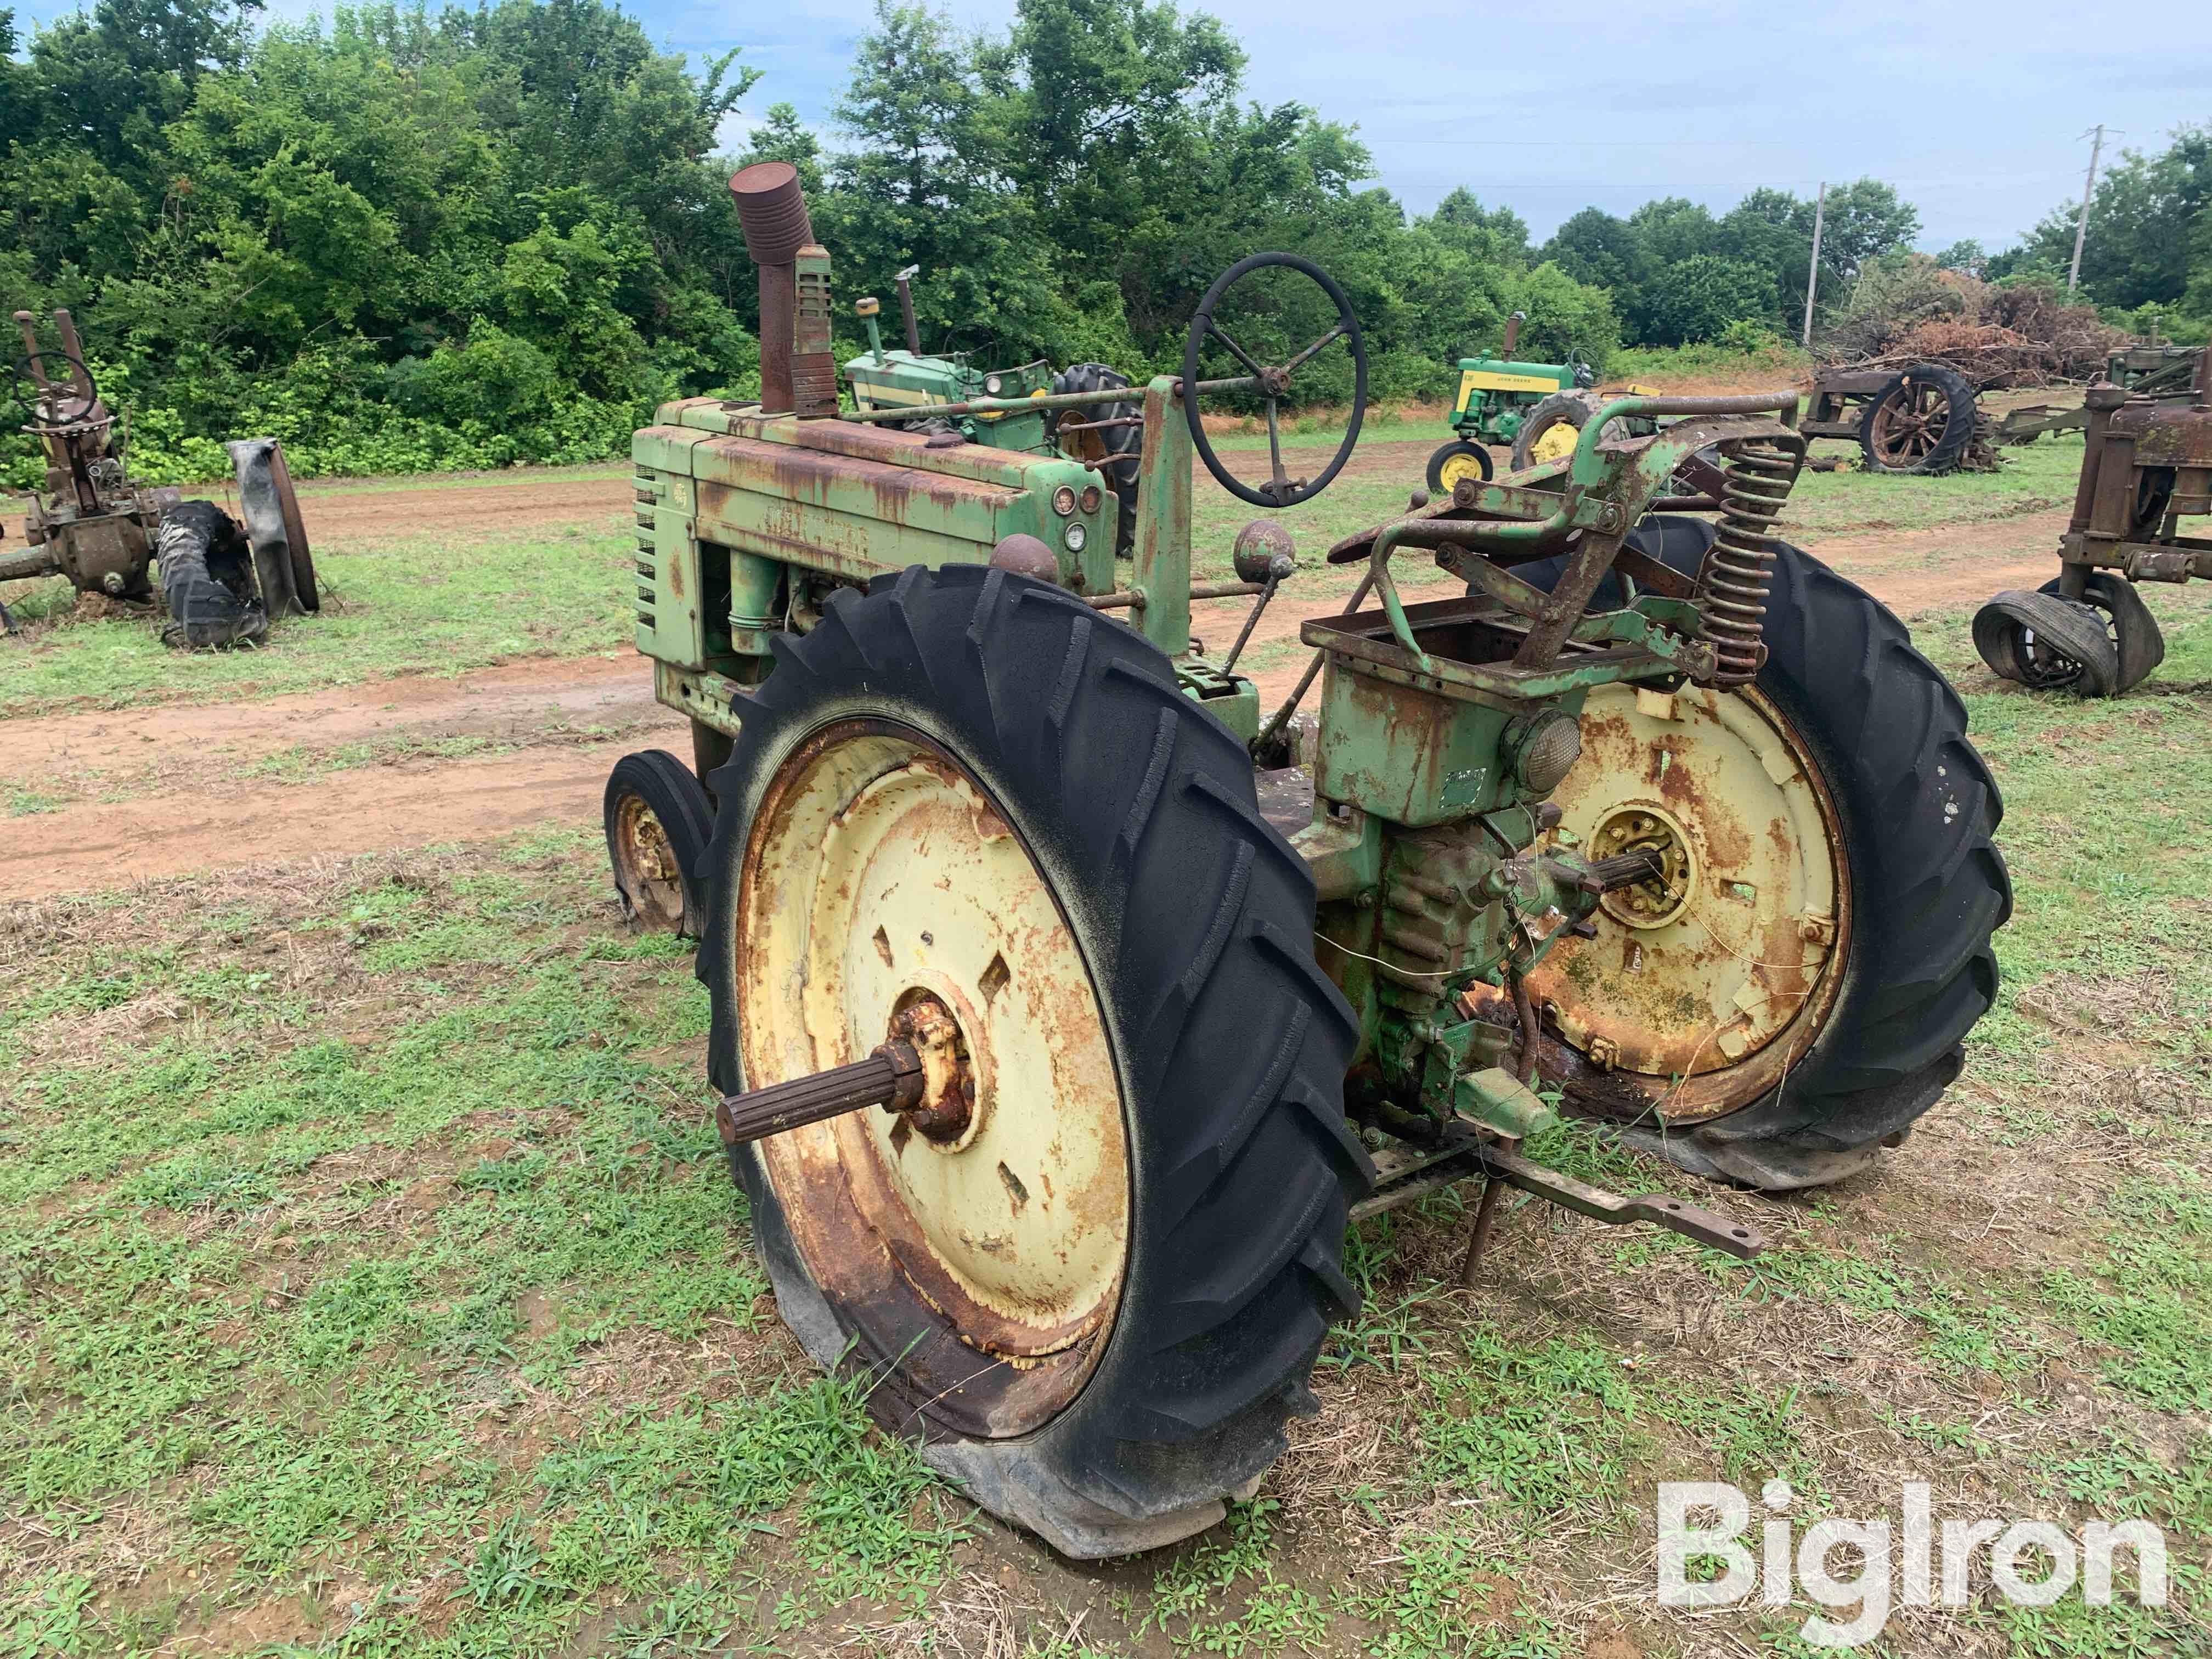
(1074, 538)
(991, 385)
(1063, 501)
(1090, 499)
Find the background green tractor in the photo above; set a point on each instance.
(1535, 409)
(1068, 1006)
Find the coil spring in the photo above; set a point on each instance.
(1739, 570)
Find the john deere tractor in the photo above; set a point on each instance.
(1068, 1004)
(1534, 408)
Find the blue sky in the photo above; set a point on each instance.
(1970, 108)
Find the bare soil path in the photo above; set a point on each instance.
(420, 762)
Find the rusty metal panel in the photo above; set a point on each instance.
(1412, 756)
(671, 624)
(664, 450)
(2169, 436)
(852, 517)
(1163, 522)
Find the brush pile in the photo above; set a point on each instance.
(1996, 337)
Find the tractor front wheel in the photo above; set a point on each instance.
(657, 822)
(1095, 1290)
(1792, 994)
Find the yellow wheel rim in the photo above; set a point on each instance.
(1458, 467)
(1555, 442)
(1701, 988)
(878, 870)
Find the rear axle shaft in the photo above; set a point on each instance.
(891, 1077)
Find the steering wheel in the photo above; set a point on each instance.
(69, 400)
(1280, 489)
(1585, 373)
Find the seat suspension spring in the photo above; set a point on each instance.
(1739, 570)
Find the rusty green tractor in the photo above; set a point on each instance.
(1069, 1002)
(2146, 466)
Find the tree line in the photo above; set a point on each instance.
(405, 240)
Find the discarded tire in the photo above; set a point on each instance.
(207, 579)
(963, 734)
(2136, 641)
(2048, 643)
(1859, 734)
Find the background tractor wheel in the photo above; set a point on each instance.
(1551, 431)
(1456, 460)
(1795, 994)
(657, 824)
(2048, 642)
(969, 786)
(1923, 422)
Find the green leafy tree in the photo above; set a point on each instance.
(2149, 238)
(109, 80)
(1594, 247)
(1699, 298)
(1864, 220)
(1564, 316)
(1499, 235)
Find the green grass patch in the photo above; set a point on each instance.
(425, 605)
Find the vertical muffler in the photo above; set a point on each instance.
(798, 366)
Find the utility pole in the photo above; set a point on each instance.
(2081, 224)
(1813, 273)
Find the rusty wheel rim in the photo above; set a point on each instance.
(648, 873)
(1701, 989)
(1910, 424)
(878, 871)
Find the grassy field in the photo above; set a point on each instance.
(428, 603)
(370, 1282)
(439, 601)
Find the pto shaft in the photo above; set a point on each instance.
(889, 1077)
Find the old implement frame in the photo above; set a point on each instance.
(2146, 466)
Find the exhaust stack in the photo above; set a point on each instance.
(799, 367)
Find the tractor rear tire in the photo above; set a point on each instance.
(1191, 920)
(1900, 431)
(1572, 409)
(657, 823)
(1455, 461)
(1922, 890)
